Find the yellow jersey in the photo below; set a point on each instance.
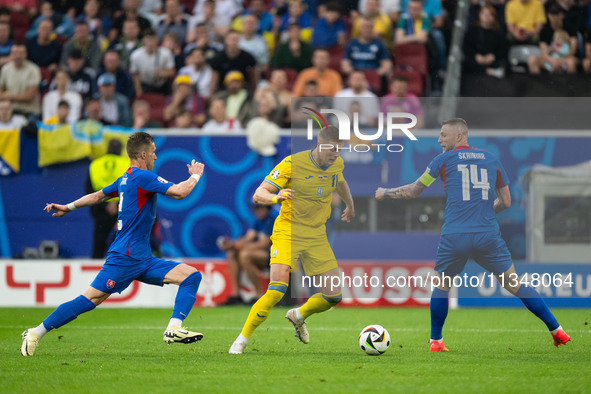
(313, 187)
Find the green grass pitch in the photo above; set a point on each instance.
(121, 351)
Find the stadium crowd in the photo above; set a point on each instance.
(220, 64)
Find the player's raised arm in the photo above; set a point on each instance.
(344, 192)
(406, 192)
(265, 194)
(182, 190)
(85, 201)
(503, 200)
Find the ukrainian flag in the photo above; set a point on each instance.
(10, 141)
(57, 144)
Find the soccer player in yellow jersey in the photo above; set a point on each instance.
(303, 183)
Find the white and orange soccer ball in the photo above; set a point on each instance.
(374, 340)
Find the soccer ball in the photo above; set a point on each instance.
(374, 340)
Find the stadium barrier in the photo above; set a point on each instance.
(48, 283)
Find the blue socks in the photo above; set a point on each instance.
(186, 296)
(67, 312)
(536, 304)
(439, 307)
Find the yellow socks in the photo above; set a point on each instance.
(319, 303)
(261, 309)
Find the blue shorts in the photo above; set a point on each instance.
(488, 249)
(119, 271)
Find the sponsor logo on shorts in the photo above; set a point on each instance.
(110, 283)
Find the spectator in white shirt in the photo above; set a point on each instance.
(219, 122)
(151, 66)
(199, 72)
(358, 92)
(254, 43)
(61, 92)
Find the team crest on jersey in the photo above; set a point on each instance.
(162, 180)
(275, 174)
(110, 283)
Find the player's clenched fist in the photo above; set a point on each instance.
(285, 194)
(196, 168)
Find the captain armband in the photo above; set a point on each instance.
(426, 179)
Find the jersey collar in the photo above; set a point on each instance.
(314, 161)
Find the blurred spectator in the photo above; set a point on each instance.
(224, 11)
(8, 120)
(382, 24)
(525, 19)
(184, 98)
(330, 30)
(254, 43)
(265, 106)
(388, 7)
(233, 58)
(574, 14)
(111, 65)
(183, 119)
(101, 173)
(61, 93)
(557, 51)
(199, 72)
(130, 12)
(413, 26)
(141, 115)
(485, 45)
(127, 43)
(90, 16)
(151, 7)
(433, 10)
(297, 13)
(174, 20)
(151, 66)
(62, 114)
(81, 78)
(5, 15)
(42, 49)
(114, 106)
(299, 118)
(93, 111)
(250, 252)
(587, 59)
(219, 122)
(172, 43)
(216, 23)
(293, 53)
(62, 23)
(19, 82)
(258, 9)
(27, 7)
(329, 81)
(280, 94)
(5, 43)
(366, 52)
(200, 39)
(84, 42)
(358, 92)
(399, 100)
(235, 96)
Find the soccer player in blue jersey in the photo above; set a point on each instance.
(471, 178)
(129, 257)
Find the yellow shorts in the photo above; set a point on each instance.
(315, 254)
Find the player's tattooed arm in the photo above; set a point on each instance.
(406, 192)
(503, 200)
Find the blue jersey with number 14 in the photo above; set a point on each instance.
(470, 177)
(137, 191)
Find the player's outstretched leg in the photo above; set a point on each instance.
(439, 307)
(183, 303)
(536, 305)
(318, 303)
(64, 314)
(258, 314)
